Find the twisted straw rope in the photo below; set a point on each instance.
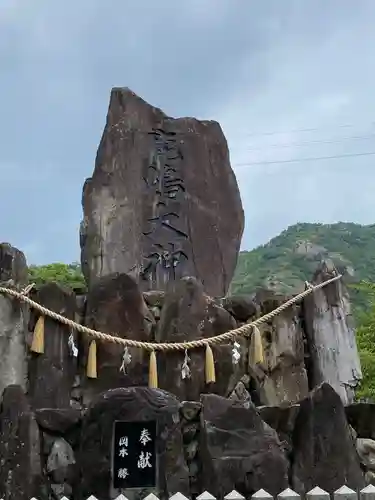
(167, 346)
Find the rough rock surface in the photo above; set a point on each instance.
(21, 469)
(331, 337)
(324, 451)
(239, 450)
(366, 452)
(13, 320)
(241, 307)
(12, 265)
(116, 306)
(57, 420)
(51, 374)
(61, 461)
(189, 314)
(135, 403)
(282, 419)
(154, 298)
(163, 201)
(361, 416)
(240, 392)
(282, 377)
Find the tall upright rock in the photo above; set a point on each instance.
(324, 451)
(283, 376)
(333, 354)
(163, 201)
(14, 317)
(51, 374)
(21, 472)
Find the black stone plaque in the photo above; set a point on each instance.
(134, 454)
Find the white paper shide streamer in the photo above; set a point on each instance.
(236, 354)
(72, 346)
(126, 360)
(185, 369)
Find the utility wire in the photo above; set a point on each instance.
(302, 160)
(293, 131)
(305, 143)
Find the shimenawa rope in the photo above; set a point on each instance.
(38, 341)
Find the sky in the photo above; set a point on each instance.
(290, 82)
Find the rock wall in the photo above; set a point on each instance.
(163, 201)
(254, 428)
(300, 345)
(215, 444)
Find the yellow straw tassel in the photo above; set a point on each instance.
(210, 366)
(153, 371)
(256, 346)
(91, 370)
(37, 344)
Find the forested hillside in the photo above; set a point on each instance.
(292, 257)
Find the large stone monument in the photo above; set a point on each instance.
(163, 201)
(163, 208)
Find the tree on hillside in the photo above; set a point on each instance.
(366, 341)
(67, 274)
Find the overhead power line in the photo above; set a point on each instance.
(294, 131)
(302, 160)
(305, 143)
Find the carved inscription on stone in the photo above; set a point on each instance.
(166, 235)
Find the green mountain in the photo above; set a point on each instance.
(285, 262)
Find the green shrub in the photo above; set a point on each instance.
(66, 274)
